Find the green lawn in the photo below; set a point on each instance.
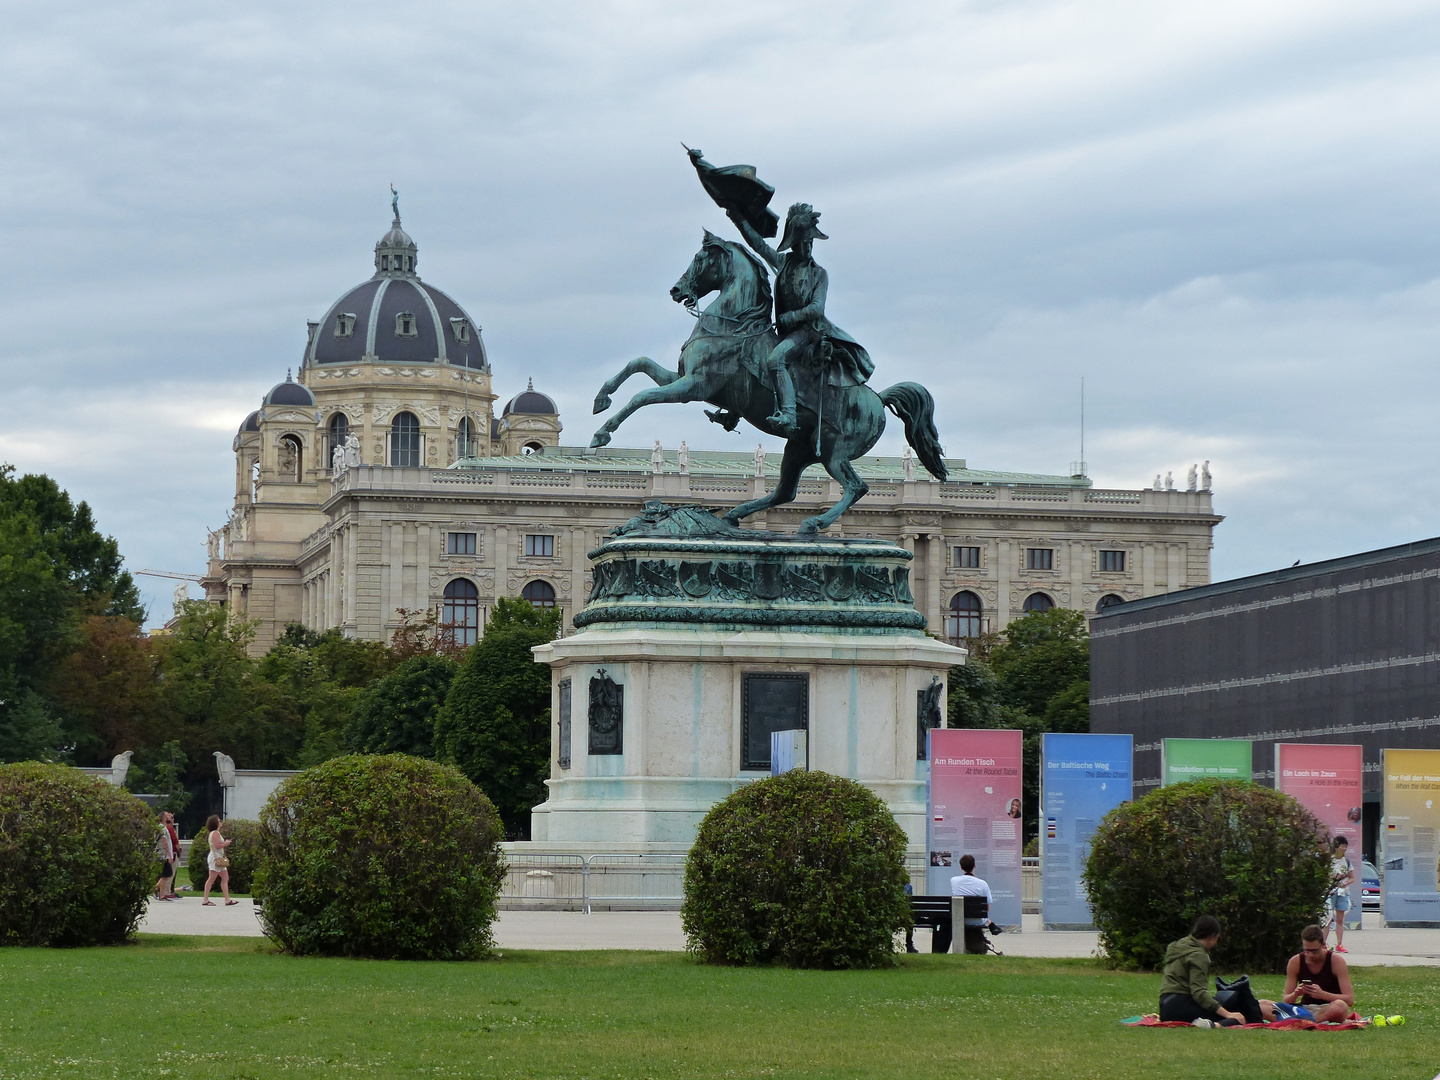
(227, 1007)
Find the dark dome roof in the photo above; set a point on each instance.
(368, 323)
(289, 392)
(251, 422)
(531, 401)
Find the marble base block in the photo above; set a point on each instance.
(682, 733)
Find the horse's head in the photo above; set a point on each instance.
(709, 270)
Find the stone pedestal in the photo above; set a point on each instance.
(694, 647)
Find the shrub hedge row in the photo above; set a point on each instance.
(77, 857)
(385, 856)
(803, 869)
(1251, 856)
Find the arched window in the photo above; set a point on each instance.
(460, 618)
(1038, 601)
(466, 442)
(405, 441)
(531, 448)
(338, 432)
(963, 619)
(1109, 600)
(291, 458)
(539, 593)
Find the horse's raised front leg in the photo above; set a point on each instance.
(681, 389)
(797, 456)
(838, 466)
(663, 377)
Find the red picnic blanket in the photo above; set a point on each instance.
(1351, 1023)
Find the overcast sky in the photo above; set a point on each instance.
(1222, 214)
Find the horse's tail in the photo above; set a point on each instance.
(913, 404)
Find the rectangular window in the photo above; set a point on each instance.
(1039, 558)
(967, 558)
(1112, 561)
(540, 546)
(460, 544)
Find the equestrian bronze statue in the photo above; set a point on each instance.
(799, 377)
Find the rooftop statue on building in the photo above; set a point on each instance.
(801, 378)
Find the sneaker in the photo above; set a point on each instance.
(1201, 1022)
(1341, 948)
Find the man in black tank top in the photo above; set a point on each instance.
(1318, 979)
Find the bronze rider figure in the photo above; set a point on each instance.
(806, 335)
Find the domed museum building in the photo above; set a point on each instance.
(375, 484)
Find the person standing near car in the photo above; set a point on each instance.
(1339, 901)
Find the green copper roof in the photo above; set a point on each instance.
(742, 463)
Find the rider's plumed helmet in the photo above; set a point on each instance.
(802, 220)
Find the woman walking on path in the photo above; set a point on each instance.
(218, 863)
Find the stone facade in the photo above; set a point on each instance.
(374, 540)
(431, 493)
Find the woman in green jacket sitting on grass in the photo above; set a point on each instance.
(1185, 991)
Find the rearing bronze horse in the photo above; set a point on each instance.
(721, 364)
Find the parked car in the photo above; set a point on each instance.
(1369, 887)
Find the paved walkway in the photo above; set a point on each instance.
(661, 930)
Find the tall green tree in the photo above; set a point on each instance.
(1041, 655)
(107, 690)
(495, 724)
(396, 713)
(55, 570)
(313, 683)
(37, 617)
(217, 699)
(83, 558)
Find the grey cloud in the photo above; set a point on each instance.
(1221, 213)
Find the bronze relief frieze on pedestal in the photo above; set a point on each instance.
(683, 565)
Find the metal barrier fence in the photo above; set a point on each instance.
(589, 882)
(651, 882)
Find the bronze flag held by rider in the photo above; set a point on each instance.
(801, 378)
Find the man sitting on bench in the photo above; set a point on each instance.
(967, 884)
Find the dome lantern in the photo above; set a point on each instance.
(395, 251)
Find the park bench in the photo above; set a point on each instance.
(936, 913)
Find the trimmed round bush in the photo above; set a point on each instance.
(77, 857)
(244, 855)
(385, 856)
(1252, 857)
(803, 869)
